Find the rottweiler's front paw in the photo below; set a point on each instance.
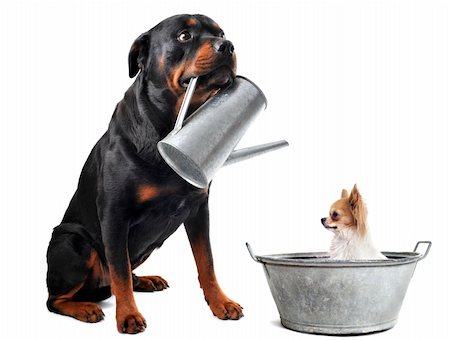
(131, 324)
(225, 308)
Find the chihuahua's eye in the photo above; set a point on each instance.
(335, 215)
(184, 36)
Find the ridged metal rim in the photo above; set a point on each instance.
(321, 259)
(338, 330)
(257, 87)
(200, 181)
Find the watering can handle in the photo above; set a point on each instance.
(185, 105)
(422, 256)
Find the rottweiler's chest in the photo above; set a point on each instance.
(159, 217)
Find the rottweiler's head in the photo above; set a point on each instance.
(182, 47)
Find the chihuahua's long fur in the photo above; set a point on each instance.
(348, 221)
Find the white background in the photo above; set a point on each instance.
(359, 89)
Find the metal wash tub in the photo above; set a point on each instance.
(317, 295)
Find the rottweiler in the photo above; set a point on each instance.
(128, 200)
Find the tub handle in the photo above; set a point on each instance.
(422, 256)
(252, 254)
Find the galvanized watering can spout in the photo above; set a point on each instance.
(200, 145)
(246, 153)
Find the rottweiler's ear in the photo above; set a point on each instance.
(138, 54)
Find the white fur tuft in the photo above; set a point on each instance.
(348, 245)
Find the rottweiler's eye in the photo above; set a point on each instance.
(335, 215)
(184, 36)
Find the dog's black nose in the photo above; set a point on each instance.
(323, 220)
(224, 46)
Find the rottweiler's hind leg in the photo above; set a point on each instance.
(149, 283)
(69, 259)
(83, 311)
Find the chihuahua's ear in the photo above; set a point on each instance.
(359, 210)
(344, 193)
(355, 197)
(138, 54)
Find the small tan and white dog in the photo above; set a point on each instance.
(348, 221)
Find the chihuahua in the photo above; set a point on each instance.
(348, 222)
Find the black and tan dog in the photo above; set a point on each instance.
(128, 201)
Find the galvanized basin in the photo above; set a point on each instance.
(317, 295)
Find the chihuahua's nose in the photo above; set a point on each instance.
(323, 220)
(224, 46)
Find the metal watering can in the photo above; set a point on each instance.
(197, 149)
